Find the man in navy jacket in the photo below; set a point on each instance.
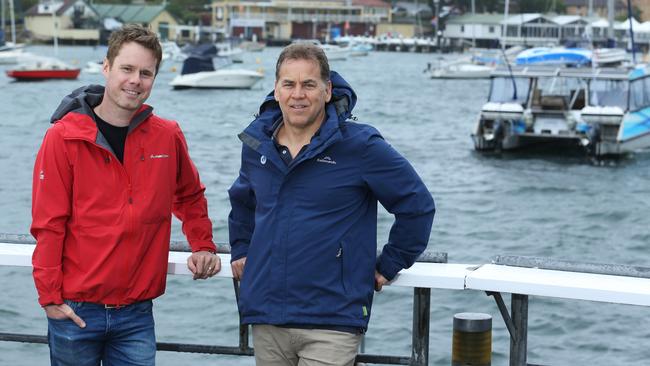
(303, 225)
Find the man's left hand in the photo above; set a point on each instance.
(203, 264)
(380, 281)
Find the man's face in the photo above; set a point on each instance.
(130, 78)
(301, 93)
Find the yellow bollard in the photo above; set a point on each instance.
(472, 340)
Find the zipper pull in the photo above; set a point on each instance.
(339, 254)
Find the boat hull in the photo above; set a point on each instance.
(216, 80)
(34, 75)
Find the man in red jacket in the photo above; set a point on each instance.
(107, 179)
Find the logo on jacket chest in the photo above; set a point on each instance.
(158, 156)
(326, 160)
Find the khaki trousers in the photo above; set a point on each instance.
(278, 346)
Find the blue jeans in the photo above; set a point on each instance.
(116, 337)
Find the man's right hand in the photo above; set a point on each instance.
(63, 311)
(238, 268)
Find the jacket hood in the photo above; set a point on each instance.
(81, 100)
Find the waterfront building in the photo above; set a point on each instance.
(70, 21)
(599, 7)
(285, 20)
(534, 30)
(152, 16)
(480, 30)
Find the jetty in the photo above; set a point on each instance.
(522, 277)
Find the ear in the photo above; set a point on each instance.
(275, 91)
(328, 97)
(105, 67)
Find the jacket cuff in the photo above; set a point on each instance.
(50, 299)
(207, 246)
(387, 268)
(238, 251)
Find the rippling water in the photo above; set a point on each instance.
(561, 207)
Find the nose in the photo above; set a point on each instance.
(298, 92)
(135, 78)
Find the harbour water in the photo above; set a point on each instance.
(561, 207)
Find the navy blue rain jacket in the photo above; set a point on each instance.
(308, 230)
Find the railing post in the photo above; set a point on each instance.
(243, 328)
(421, 318)
(519, 341)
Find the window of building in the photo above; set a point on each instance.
(491, 29)
(462, 29)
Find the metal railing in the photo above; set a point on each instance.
(420, 331)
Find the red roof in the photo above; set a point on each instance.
(371, 3)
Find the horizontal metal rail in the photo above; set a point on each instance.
(572, 266)
(420, 332)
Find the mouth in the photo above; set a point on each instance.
(298, 106)
(130, 92)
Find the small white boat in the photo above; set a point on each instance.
(609, 56)
(199, 72)
(171, 52)
(461, 70)
(251, 46)
(333, 52)
(235, 54)
(93, 67)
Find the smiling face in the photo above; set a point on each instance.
(302, 93)
(129, 78)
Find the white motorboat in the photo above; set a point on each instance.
(463, 69)
(333, 52)
(598, 111)
(171, 52)
(235, 54)
(93, 67)
(199, 72)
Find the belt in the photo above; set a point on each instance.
(113, 306)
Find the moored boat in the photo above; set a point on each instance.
(199, 72)
(43, 68)
(598, 111)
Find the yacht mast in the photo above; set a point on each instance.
(610, 20)
(13, 22)
(504, 30)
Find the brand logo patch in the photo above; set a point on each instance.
(326, 160)
(41, 175)
(159, 156)
(263, 159)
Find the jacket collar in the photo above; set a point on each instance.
(77, 107)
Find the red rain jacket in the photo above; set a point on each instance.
(102, 227)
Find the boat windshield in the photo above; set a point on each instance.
(640, 94)
(560, 93)
(609, 93)
(501, 90)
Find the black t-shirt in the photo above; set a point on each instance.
(116, 136)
